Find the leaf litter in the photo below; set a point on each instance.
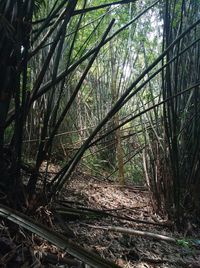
(84, 210)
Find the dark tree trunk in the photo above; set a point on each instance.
(13, 35)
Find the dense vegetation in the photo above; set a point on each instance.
(108, 88)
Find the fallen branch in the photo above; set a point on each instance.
(79, 210)
(134, 232)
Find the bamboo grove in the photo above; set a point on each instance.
(107, 87)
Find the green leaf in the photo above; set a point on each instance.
(183, 243)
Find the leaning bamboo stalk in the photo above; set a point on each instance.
(80, 153)
(145, 111)
(74, 94)
(63, 74)
(58, 240)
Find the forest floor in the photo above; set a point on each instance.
(129, 205)
(85, 210)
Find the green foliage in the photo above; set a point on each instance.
(184, 243)
(39, 5)
(134, 171)
(123, 77)
(8, 134)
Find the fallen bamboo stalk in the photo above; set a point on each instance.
(82, 254)
(135, 232)
(81, 209)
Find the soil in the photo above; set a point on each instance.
(83, 200)
(133, 203)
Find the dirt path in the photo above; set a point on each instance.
(131, 203)
(85, 207)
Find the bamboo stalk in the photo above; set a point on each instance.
(134, 232)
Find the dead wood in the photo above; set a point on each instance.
(135, 232)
